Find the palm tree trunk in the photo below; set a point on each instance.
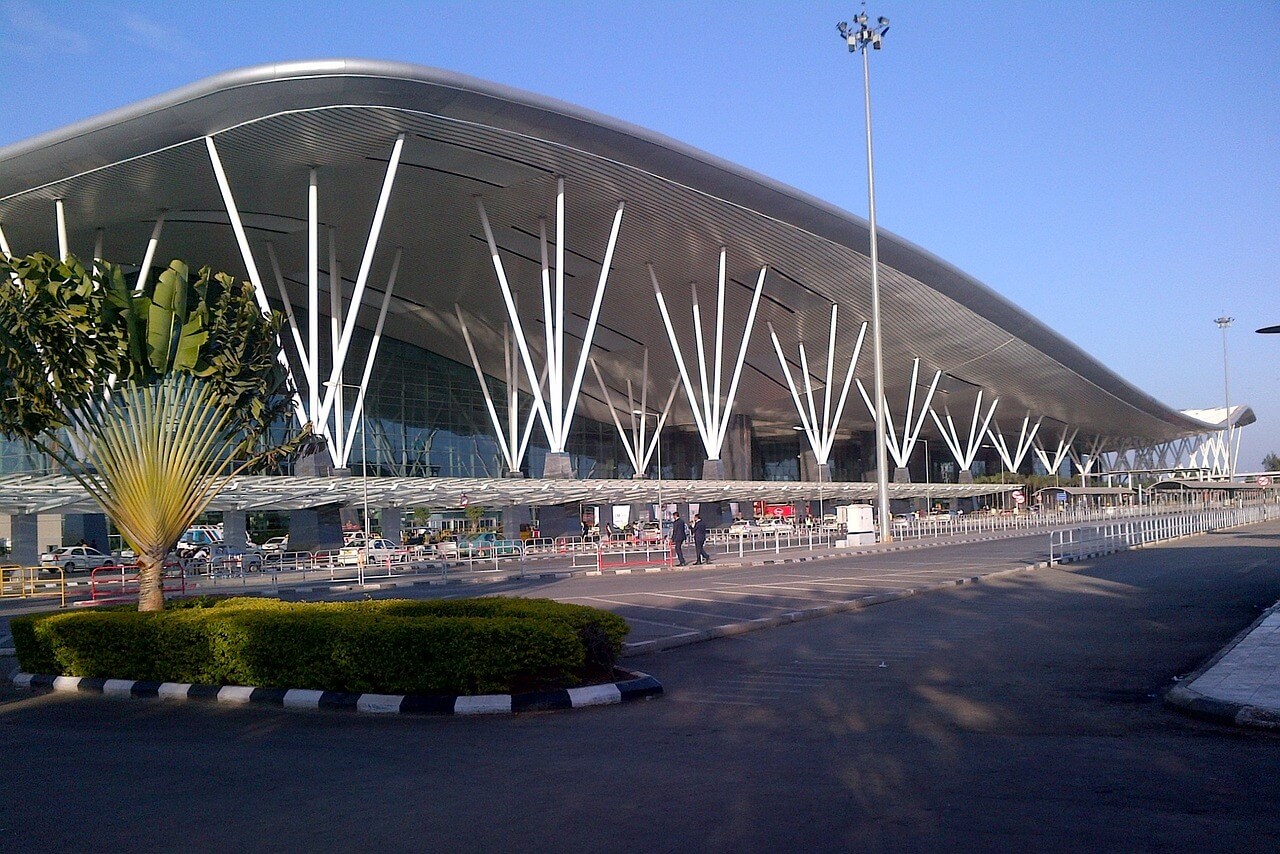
(150, 584)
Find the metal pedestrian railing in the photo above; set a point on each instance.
(26, 582)
(1094, 540)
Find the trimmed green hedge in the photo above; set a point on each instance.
(466, 646)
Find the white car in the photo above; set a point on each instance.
(77, 558)
(776, 526)
(745, 528)
(378, 551)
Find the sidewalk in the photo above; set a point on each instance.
(1241, 684)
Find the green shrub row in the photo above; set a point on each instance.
(470, 646)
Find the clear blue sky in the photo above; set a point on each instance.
(1113, 168)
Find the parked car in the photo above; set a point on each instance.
(198, 538)
(776, 526)
(745, 528)
(276, 545)
(77, 558)
(378, 551)
(220, 556)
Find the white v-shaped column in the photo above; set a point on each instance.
(1013, 461)
(513, 440)
(965, 451)
(821, 432)
(901, 450)
(711, 411)
(1067, 436)
(637, 442)
(556, 408)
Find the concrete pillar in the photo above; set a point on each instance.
(234, 534)
(90, 527)
(736, 452)
(558, 467)
(713, 470)
(315, 529)
(560, 520)
(966, 476)
(391, 523)
(24, 539)
(513, 518)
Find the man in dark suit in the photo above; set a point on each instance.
(700, 540)
(679, 533)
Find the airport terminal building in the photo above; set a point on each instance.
(481, 283)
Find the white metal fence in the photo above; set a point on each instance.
(1094, 540)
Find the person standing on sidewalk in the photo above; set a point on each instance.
(679, 533)
(700, 540)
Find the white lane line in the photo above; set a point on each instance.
(717, 601)
(659, 608)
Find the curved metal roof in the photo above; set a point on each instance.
(466, 137)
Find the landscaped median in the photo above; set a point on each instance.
(422, 651)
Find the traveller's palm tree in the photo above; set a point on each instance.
(151, 400)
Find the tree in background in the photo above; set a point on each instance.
(151, 399)
(1271, 462)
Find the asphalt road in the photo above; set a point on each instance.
(1020, 713)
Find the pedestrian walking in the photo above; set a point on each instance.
(700, 540)
(679, 533)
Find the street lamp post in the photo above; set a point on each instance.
(860, 38)
(1224, 323)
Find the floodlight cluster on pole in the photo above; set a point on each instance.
(859, 37)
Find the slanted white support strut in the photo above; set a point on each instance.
(357, 416)
(313, 293)
(555, 409)
(711, 414)
(1087, 460)
(63, 249)
(637, 442)
(1013, 461)
(820, 432)
(901, 450)
(965, 451)
(362, 279)
(4, 244)
(148, 257)
(1067, 436)
(242, 240)
(299, 349)
(512, 440)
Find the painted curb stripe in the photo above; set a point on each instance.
(302, 698)
(595, 695)
(234, 694)
(379, 704)
(118, 687)
(425, 704)
(268, 696)
(640, 686)
(484, 704)
(541, 701)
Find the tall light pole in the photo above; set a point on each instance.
(860, 38)
(1224, 323)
